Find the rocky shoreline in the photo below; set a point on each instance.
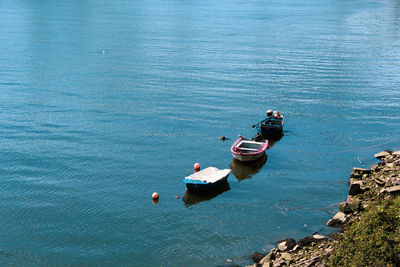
(367, 187)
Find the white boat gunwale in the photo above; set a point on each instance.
(262, 146)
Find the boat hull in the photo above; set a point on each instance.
(267, 130)
(202, 187)
(247, 150)
(246, 157)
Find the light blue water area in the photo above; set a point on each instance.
(103, 103)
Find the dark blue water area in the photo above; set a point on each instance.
(103, 103)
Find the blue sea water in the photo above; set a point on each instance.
(103, 103)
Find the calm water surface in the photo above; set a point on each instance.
(102, 103)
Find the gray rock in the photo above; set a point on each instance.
(270, 256)
(296, 248)
(355, 188)
(319, 237)
(359, 172)
(305, 241)
(279, 262)
(396, 154)
(394, 190)
(381, 164)
(286, 256)
(383, 154)
(355, 205)
(388, 183)
(328, 250)
(379, 181)
(267, 264)
(350, 206)
(390, 165)
(338, 220)
(257, 257)
(375, 168)
(383, 193)
(286, 244)
(342, 207)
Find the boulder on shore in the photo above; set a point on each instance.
(308, 240)
(350, 206)
(305, 241)
(257, 256)
(359, 172)
(355, 188)
(267, 260)
(338, 220)
(383, 154)
(394, 190)
(286, 244)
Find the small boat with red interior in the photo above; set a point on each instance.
(248, 150)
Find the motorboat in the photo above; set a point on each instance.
(272, 125)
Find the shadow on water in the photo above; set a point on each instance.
(272, 139)
(192, 198)
(244, 170)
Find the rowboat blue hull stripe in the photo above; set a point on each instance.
(191, 181)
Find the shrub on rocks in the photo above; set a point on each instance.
(350, 206)
(372, 241)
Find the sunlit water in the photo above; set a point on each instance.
(103, 103)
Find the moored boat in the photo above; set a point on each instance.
(248, 150)
(272, 125)
(206, 179)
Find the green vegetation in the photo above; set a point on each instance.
(373, 239)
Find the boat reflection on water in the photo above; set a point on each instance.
(272, 139)
(192, 198)
(244, 170)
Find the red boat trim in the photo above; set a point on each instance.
(262, 148)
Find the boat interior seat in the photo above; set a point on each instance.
(244, 149)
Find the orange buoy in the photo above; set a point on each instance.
(155, 195)
(196, 167)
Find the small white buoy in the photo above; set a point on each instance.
(103, 52)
